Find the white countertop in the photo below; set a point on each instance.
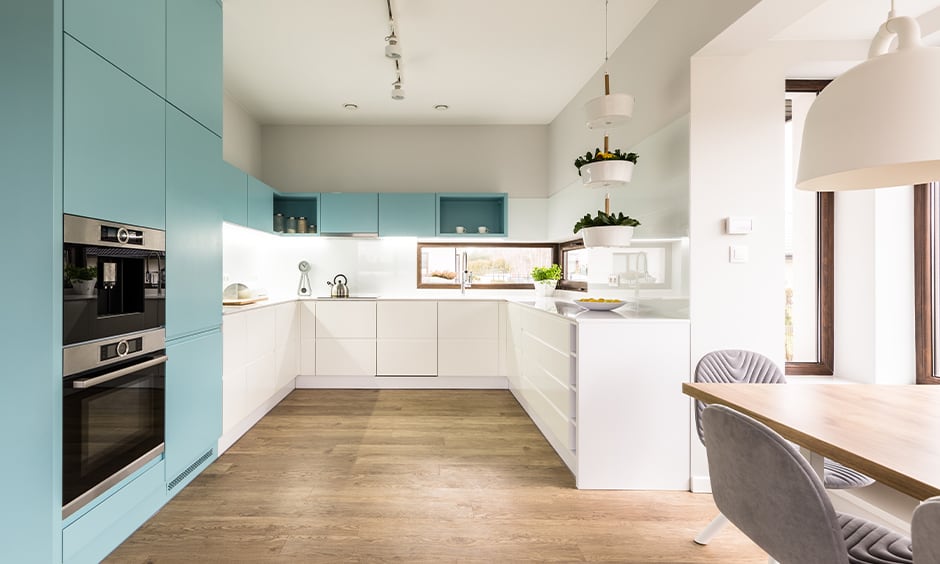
(663, 309)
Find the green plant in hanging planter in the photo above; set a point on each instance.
(603, 219)
(599, 155)
(540, 273)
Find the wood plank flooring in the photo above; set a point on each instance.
(416, 476)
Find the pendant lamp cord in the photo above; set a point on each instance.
(606, 47)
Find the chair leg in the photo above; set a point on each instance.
(711, 530)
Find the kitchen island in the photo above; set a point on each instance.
(601, 386)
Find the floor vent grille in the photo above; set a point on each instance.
(176, 481)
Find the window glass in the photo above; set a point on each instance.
(495, 266)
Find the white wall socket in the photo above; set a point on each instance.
(613, 280)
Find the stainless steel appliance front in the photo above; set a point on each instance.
(115, 279)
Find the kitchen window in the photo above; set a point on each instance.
(927, 282)
(494, 266)
(809, 248)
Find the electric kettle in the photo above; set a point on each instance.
(338, 287)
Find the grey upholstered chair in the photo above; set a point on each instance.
(746, 367)
(771, 493)
(925, 532)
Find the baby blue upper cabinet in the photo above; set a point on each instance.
(193, 227)
(131, 35)
(113, 136)
(479, 215)
(260, 205)
(349, 212)
(194, 60)
(409, 215)
(234, 194)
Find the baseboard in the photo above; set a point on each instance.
(701, 484)
(404, 382)
(242, 427)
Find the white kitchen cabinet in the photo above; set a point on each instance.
(308, 337)
(259, 363)
(468, 338)
(287, 342)
(345, 338)
(406, 338)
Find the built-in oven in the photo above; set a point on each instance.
(115, 279)
(113, 412)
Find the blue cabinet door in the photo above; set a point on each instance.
(113, 136)
(194, 59)
(260, 205)
(233, 194)
(132, 35)
(343, 212)
(408, 215)
(193, 405)
(193, 227)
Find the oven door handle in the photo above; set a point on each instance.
(90, 382)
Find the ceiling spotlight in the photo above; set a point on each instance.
(441, 107)
(392, 48)
(351, 107)
(397, 92)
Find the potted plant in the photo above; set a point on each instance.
(606, 229)
(545, 278)
(606, 168)
(82, 278)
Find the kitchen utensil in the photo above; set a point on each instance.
(301, 224)
(460, 229)
(483, 229)
(338, 287)
(303, 289)
(278, 223)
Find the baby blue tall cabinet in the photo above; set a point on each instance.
(31, 324)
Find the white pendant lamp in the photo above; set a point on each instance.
(878, 124)
(609, 110)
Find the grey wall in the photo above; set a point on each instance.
(497, 158)
(241, 137)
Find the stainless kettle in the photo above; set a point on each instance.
(338, 287)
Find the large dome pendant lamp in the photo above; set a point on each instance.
(609, 110)
(878, 124)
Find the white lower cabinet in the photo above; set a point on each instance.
(468, 338)
(406, 338)
(308, 337)
(259, 361)
(345, 338)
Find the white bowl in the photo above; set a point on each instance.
(600, 306)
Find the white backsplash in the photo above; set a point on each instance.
(380, 267)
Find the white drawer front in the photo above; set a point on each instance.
(411, 357)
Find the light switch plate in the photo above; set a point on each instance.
(613, 280)
(738, 225)
(737, 254)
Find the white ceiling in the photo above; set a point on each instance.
(491, 61)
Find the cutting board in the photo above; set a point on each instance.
(243, 301)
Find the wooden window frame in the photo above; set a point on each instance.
(926, 231)
(565, 284)
(422, 286)
(825, 269)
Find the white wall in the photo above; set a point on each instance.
(496, 158)
(241, 137)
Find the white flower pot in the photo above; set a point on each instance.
(602, 174)
(545, 288)
(607, 236)
(84, 287)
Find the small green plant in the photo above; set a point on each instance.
(81, 273)
(599, 155)
(540, 273)
(604, 220)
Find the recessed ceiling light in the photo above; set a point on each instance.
(441, 107)
(351, 107)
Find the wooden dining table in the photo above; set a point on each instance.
(891, 433)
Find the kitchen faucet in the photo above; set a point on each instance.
(465, 274)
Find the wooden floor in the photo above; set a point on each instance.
(415, 476)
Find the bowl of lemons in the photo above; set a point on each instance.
(599, 304)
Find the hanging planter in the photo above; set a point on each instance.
(603, 174)
(606, 168)
(609, 110)
(606, 229)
